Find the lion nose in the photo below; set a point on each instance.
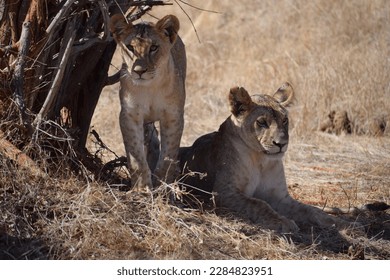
(279, 144)
(139, 70)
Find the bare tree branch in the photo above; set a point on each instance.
(113, 79)
(143, 8)
(198, 8)
(18, 76)
(64, 10)
(20, 158)
(69, 38)
(188, 16)
(104, 10)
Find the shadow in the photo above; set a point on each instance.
(326, 240)
(369, 243)
(13, 248)
(377, 224)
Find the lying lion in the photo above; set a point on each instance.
(243, 163)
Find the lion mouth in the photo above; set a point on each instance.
(274, 154)
(137, 78)
(140, 80)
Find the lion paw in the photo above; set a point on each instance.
(285, 225)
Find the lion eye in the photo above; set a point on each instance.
(153, 48)
(130, 48)
(262, 123)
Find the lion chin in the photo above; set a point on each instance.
(277, 155)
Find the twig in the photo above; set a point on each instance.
(188, 16)
(115, 163)
(64, 10)
(141, 11)
(69, 38)
(104, 10)
(68, 138)
(18, 76)
(113, 79)
(198, 8)
(150, 3)
(143, 8)
(101, 143)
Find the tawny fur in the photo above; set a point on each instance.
(152, 89)
(243, 163)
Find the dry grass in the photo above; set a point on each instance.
(336, 54)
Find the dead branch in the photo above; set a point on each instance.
(18, 76)
(69, 38)
(101, 143)
(150, 3)
(143, 8)
(188, 16)
(20, 158)
(115, 163)
(106, 18)
(198, 8)
(64, 10)
(113, 79)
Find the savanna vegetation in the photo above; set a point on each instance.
(57, 203)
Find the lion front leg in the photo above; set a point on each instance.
(133, 138)
(152, 145)
(171, 130)
(304, 213)
(257, 210)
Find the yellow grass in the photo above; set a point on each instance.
(336, 55)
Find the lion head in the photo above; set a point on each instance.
(262, 120)
(145, 46)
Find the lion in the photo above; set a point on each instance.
(242, 163)
(152, 89)
(337, 122)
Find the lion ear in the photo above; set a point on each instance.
(285, 94)
(170, 25)
(118, 26)
(239, 100)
